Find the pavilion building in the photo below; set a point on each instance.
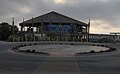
(56, 25)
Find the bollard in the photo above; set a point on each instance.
(81, 39)
(34, 38)
(57, 39)
(18, 39)
(13, 39)
(78, 38)
(49, 39)
(66, 39)
(26, 39)
(73, 39)
(87, 38)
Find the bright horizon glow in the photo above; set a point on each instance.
(59, 1)
(102, 27)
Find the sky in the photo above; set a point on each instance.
(104, 14)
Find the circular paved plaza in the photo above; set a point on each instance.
(63, 50)
(98, 63)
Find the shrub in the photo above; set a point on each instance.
(14, 48)
(37, 52)
(82, 53)
(20, 45)
(102, 45)
(33, 51)
(21, 50)
(35, 43)
(24, 45)
(108, 50)
(28, 50)
(98, 45)
(112, 49)
(71, 43)
(107, 46)
(93, 45)
(101, 51)
(30, 44)
(92, 51)
(42, 53)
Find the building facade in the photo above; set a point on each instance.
(56, 25)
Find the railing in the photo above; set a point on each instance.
(75, 38)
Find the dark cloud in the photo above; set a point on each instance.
(100, 10)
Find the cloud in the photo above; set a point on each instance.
(24, 10)
(104, 12)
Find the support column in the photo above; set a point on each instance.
(41, 30)
(60, 31)
(33, 24)
(29, 29)
(74, 26)
(23, 25)
(37, 29)
(21, 28)
(50, 26)
(88, 30)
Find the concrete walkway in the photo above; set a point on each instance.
(59, 65)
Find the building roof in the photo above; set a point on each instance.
(53, 17)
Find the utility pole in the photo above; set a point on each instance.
(33, 29)
(23, 25)
(88, 31)
(13, 28)
(23, 33)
